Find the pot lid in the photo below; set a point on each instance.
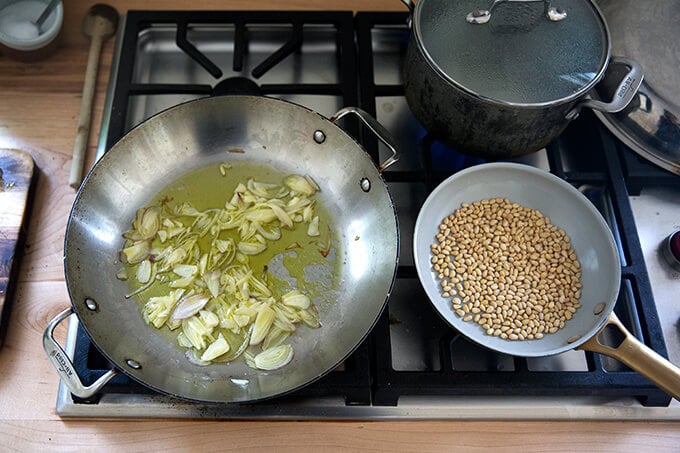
(648, 33)
(522, 52)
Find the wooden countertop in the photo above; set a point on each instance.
(39, 106)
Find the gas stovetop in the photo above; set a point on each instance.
(412, 365)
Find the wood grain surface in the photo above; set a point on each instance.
(16, 183)
(39, 105)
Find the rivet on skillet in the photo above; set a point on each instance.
(573, 339)
(365, 184)
(599, 308)
(319, 136)
(133, 364)
(91, 304)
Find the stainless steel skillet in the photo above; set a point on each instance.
(270, 132)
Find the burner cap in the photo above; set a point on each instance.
(237, 85)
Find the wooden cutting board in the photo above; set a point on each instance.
(16, 187)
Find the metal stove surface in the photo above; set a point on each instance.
(161, 65)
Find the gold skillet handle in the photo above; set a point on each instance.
(639, 357)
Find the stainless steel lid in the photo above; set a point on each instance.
(648, 32)
(520, 52)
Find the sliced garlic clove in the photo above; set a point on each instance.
(192, 356)
(263, 322)
(274, 358)
(313, 228)
(312, 183)
(137, 252)
(296, 299)
(189, 306)
(261, 215)
(149, 222)
(301, 184)
(310, 319)
(212, 281)
(283, 217)
(251, 248)
(216, 349)
(275, 337)
(185, 270)
(122, 275)
(209, 318)
(144, 271)
(307, 213)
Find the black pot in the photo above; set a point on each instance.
(506, 84)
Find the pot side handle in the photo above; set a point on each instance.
(411, 8)
(377, 129)
(625, 92)
(639, 357)
(63, 364)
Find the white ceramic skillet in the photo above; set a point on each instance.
(592, 241)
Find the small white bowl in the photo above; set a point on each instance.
(19, 38)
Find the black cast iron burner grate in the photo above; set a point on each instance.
(377, 373)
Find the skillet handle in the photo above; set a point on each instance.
(63, 364)
(639, 357)
(377, 129)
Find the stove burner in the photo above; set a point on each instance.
(440, 158)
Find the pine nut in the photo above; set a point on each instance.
(513, 272)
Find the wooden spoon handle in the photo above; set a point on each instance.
(83, 133)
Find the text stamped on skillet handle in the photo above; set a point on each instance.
(63, 364)
(625, 91)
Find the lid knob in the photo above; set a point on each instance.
(483, 16)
